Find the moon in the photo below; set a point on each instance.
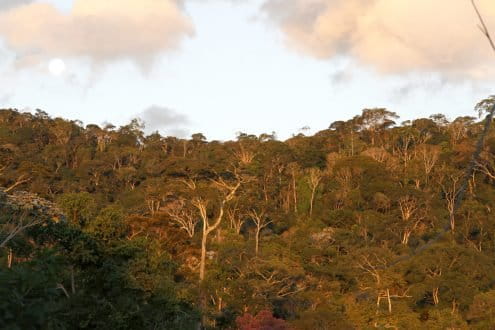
(56, 67)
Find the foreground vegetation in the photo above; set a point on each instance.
(164, 233)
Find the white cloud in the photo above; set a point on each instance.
(99, 30)
(392, 36)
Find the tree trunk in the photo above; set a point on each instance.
(257, 240)
(203, 257)
(389, 302)
(311, 202)
(405, 236)
(452, 222)
(352, 144)
(436, 300)
(72, 282)
(10, 258)
(202, 298)
(294, 191)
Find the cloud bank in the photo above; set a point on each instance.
(392, 36)
(100, 30)
(157, 118)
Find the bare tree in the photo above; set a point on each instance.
(434, 273)
(236, 220)
(261, 222)
(374, 268)
(244, 156)
(450, 185)
(344, 178)
(385, 294)
(15, 227)
(377, 153)
(369, 267)
(293, 170)
(153, 204)
(458, 131)
(483, 168)
(209, 225)
(184, 217)
(153, 198)
(314, 179)
(403, 147)
(409, 208)
(429, 157)
(486, 166)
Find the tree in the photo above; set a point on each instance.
(459, 128)
(143, 223)
(404, 144)
(23, 178)
(80, 207)
(482, 311)
(183, 216)
(485, 105)
(440, 120)
(109, 224)
(314, 178)
(450, 184)
(376, 120)
(347, 130)
(293, 169)
(16, 226)
(429, 157)
(409, 208)
(260, 221)
(207, 226)
(236, 219)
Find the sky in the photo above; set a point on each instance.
(220, 67)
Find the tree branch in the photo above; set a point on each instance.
(482, 25)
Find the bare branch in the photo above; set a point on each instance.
(230, 188)
(191, 184)
(61, 287)
(483, 168)
(22, 179)
(244, 156)
(236, 220)
(482, 25)
(2, 168)
(19, 227)
(261, 222)
(184, 217)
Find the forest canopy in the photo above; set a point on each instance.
(105, 226)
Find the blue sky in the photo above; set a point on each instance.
(237, 67)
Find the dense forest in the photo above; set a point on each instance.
(110, 228)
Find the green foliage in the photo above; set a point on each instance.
(109, 224)
(30, 296)
(79, 207)
(482, 311)
(124, 259)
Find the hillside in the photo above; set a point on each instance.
(339, 230)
